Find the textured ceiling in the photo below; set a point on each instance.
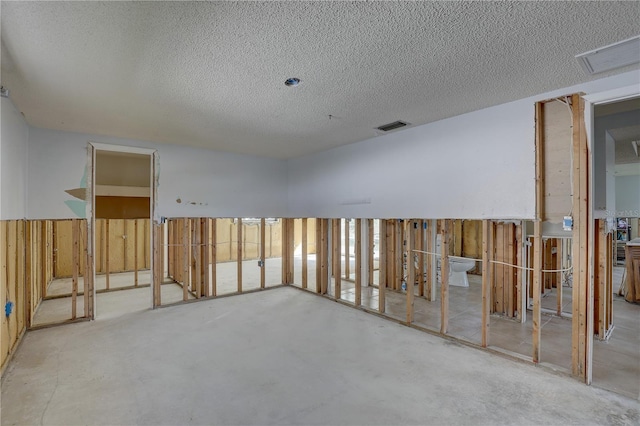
(211, 74)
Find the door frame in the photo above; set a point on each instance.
(590, 101)
(92, 147)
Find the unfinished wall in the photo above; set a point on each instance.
(13, 162)
(193, 182)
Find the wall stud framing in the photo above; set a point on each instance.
(239, 252)
(263, 240)
(411, 270)
(305, 254)
(358, 250)
(444, 274)
(382, 266)
(487, 256)
(370, 251)
(214, 260)
(337, 258)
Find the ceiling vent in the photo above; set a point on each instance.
(392, 126)
(610, 57)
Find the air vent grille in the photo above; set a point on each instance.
(392, 126)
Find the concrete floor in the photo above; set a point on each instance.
(616, 365)
(281, 357)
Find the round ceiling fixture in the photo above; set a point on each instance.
(292, 82)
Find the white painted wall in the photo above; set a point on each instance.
(221, 184)
(13, 162)
(628, 196)
(477, 165)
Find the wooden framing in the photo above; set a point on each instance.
(370, 251)
(582, 300)
(411, 270)
(106, 252)
(263, 223)
(603, 291)
(214, 256)
(75, 223)
(358, 263)
(382, 269)
(324, 256)
(487, 257)
(185, 259)
(419, 243)
(239, 252)
(347, 265)
(319, 244)
(430, 272)
(444, 274)
(305, 254)
(337, 258)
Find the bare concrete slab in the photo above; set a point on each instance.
(282, 356)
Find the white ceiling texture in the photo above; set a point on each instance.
(211, 74)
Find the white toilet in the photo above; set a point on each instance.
(458, 271)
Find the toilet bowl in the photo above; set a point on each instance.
(458, 271)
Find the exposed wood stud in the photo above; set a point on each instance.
(444, 274)
(382, 267)
(239, 253)
(486, 281)
(185, 259)
(305, 251)
(410, 235)
(318, 255)
(370, 250)
(358, 265)
(337, 249)
(214, 260)
(106, 253)
(263, 232)
(347, 266)
(75, 231)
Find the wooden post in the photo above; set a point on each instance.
(107, 254)
(196, 256)
(135, 252)
(304, 252)
(337, 249)
(420, 255)
(382, 261)
(207, 257)
(185, 259)
(537, 231)
(358, 250)
(318, 255)
(214, 260)
(487, 256)
(411, 270)
(263, 240)
(239, 255)
(430, 272)
(75, 232)
(537, 288)
(325, 256)
(398, 256)
(370, 250)
(581, 302)
(518, 274)
(559, 288)
(444, 274)
(347, 266)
